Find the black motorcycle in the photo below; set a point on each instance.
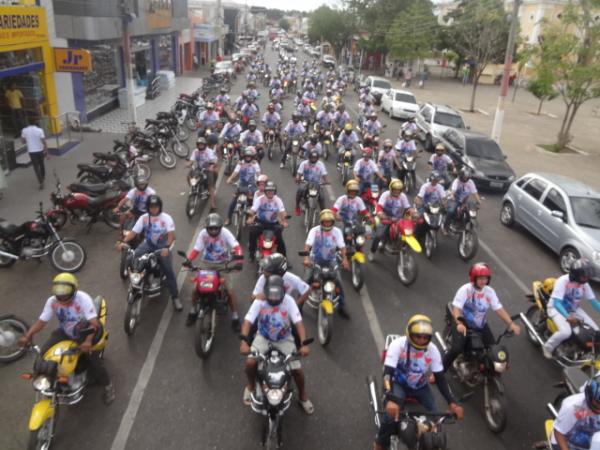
(407, 172)
(464, 224)
(433, 218)
(112, 166)
(35, 239)
(347, 164)
(198, 181)
(243, 203)
(154, 143)
(11, 329)
(167, 129)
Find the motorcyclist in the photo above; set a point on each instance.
(240, 101)
(298, 98)
(293, 130)
(312, 144)
(365, 168)
(431, 192)
(409, 125)
(75, 311)
(310, 170)
(209, 118)
(137, 197)
(276, 264)
(276, 315)
(269, 212)
(309, 94)
(441, 162)
(159, 231)
(543, 290)
(341, 116)
(261, 183)
(324, 241)
(253, 137)
(328, 98)
(462, 189)
(325, 117)
(410, 360)
(347, 140)
(215, 244)
(251, 90)
(206, 158)
(271, 119)
(249, 110)
(248, 170)
(392, 205)
(406, 145)
(372, 125)
(387, 160)
(232, 129)
(222, 97)
(304, 110)
(564, 307)
(348, 207)
(578, 420)
(469, 310)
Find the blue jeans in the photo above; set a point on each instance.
(423, 396)
(166, 265)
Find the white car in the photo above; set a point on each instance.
(399, 103)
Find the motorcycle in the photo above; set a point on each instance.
(272, 395)
(57, 380)
(310, 204)
(153, 144)
(112, 167)
(271, 135)
(11, 329)
(37, 238)
(197, 179)
(402, 242)
(295, 152)
(480, 365)
(432, 220)
(230, 151)
(355, 237)
(327, 144)
(407, 173)
(212, 300)
(464, 225)
(371, 196)
(579, 349)
(242, 205)
(347, 165)
(79, 207)
(167, 130)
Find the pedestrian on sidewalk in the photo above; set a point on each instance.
(465, 74)
(33, 136)
(423, 77)
(408, 77)
(14, 98)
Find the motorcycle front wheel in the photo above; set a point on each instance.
(191, 205)
(11, 329)
(495, 413)
(41, 439)
(294, 164)
(67, 255)
(167, 159)
(132, 312)
(5, 261)
(407, 267)
(468, 244)
(142, 170)
(357, 277)
(270, 151)
(272, 438)
(430, 243)
(324, 326)
(326, 152)
(182, 133)
(123, 265)
(204, 332)
(238, 219)
(180, 148)
(190, 123)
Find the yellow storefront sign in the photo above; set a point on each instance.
(72, 60)
(21, 24)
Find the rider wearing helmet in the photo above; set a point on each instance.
(578, 422)
(323, 243)
(275, 314)
(215, 244)
(387, 160)
(341, 116)
(410, 360)
(261, 183)
(348, 207)
(74, 310)
(209, 118)
(372, 125)
(409, 125)
(406, 145)
(293, 130)
(441, 162)
(564, 307)
(136, 197)
(347, 140)
(431, 192)
(542, 291)
(248, 170)
(232, 129)
(311, 171)
(269, 212)
(365, 168)
(312, 144)
(462, 189)
(222, 97)
(271, 119)
(158, 229)
(469, 311)
(276, 264)
(253, 137)
(206, 158)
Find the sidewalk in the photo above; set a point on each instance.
(523, 129)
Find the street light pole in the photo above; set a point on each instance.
(510, 48)
(126, 18)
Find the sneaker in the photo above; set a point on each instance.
(298, 211)
(247, 398)
(235, 325)
(108, 396)
(307, 406)
(177, 304)
(191, 318)
(343, 313)
(371, 256)
(547, 353)
(282, 166)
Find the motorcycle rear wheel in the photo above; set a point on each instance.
(111, 218)
(18, 328)
(270, 151)
(41, 439)
(89, 179)
(204, 332)
(132, 312)
(468, 244)
(229, 166)
(324, 326)
(357, 276)
(73, 253)
(407, 267)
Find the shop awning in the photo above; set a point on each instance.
(20, 70)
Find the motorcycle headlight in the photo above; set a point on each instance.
(434, 209)
(295, 143)
(194, 181)
(374, 194)
(41, 383)
(268, 244)
(135, 278)
(410, 158)
(408, 232)
(329, 287)
(473, 213)
(500, 366)
(312, 192)
(242, 198)
(274, 396)
(360, 240)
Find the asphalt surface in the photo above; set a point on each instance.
(189, 403)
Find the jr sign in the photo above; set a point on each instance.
(72, 60)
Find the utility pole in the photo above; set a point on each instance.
(219, 27)
(127, 17)
(510, 49)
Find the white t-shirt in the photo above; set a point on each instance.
(365, 168)
(570, 293)
(138, 198)
(440, 163)
(349, 208)
(393, 207)
(215, 249)
(267, 210)
(412, 366)
(463, 190)
(312, 172)
(430, 193)
(34, 138)
(155, 227)
(325, 244)
(475, 304)
(274, 322)
(577, 422)
(291, 282)
(80, 308)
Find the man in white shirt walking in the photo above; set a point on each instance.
(37, 148)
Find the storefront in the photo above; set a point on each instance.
(27, 90)
(206, 42)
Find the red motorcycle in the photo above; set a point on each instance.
(211, 300)
(88, 208)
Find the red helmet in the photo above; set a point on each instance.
(367, 151)
(480, 269)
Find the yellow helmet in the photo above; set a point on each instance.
(419, 324)
(64, 285)
(396, 184)
(352, 185)
(326, 216)
(548, 285)
(348, 127)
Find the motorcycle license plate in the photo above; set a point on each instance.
(359, 257)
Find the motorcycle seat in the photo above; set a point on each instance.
(7, 228)
(576, 376)
(93, 168)
(95, 189)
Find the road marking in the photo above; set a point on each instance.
(137, 395)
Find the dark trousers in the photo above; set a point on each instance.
(458, 344)
(381, 233)
(257, 229)
(308, 278)
(37, 161)
(165, 264)
(92, 362)
(17, 116)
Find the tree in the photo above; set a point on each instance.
(283, 24)
(414, 32)
(332, 25)
(570, 52)
(479, 33)
(542, 90)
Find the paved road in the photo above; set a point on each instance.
(188, 403)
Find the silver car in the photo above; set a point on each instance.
(561, 212)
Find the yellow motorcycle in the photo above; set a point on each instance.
(57, 380)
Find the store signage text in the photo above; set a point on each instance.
(18, 23)
(72, 60)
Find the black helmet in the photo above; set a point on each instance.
(313, 156)
(213, 139)
(295, 117)
(465, 174)
(213, 224)
(274, 290)
(314, 139)
(581, 271)
(275, 264)
(270, 187)
(154, 200)
(201, 140)
(141, 182)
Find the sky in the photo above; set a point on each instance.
(301, 5)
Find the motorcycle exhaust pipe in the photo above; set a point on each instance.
(531, 329)
(8, 255)
(438, 336)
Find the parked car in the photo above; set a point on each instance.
(224, 67)
(315, 53)
(398, 103)
(328, 61)
(561, 212)
(482, 155)
(433, 120)
(377, 87)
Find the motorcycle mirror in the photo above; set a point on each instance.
(303, 253)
